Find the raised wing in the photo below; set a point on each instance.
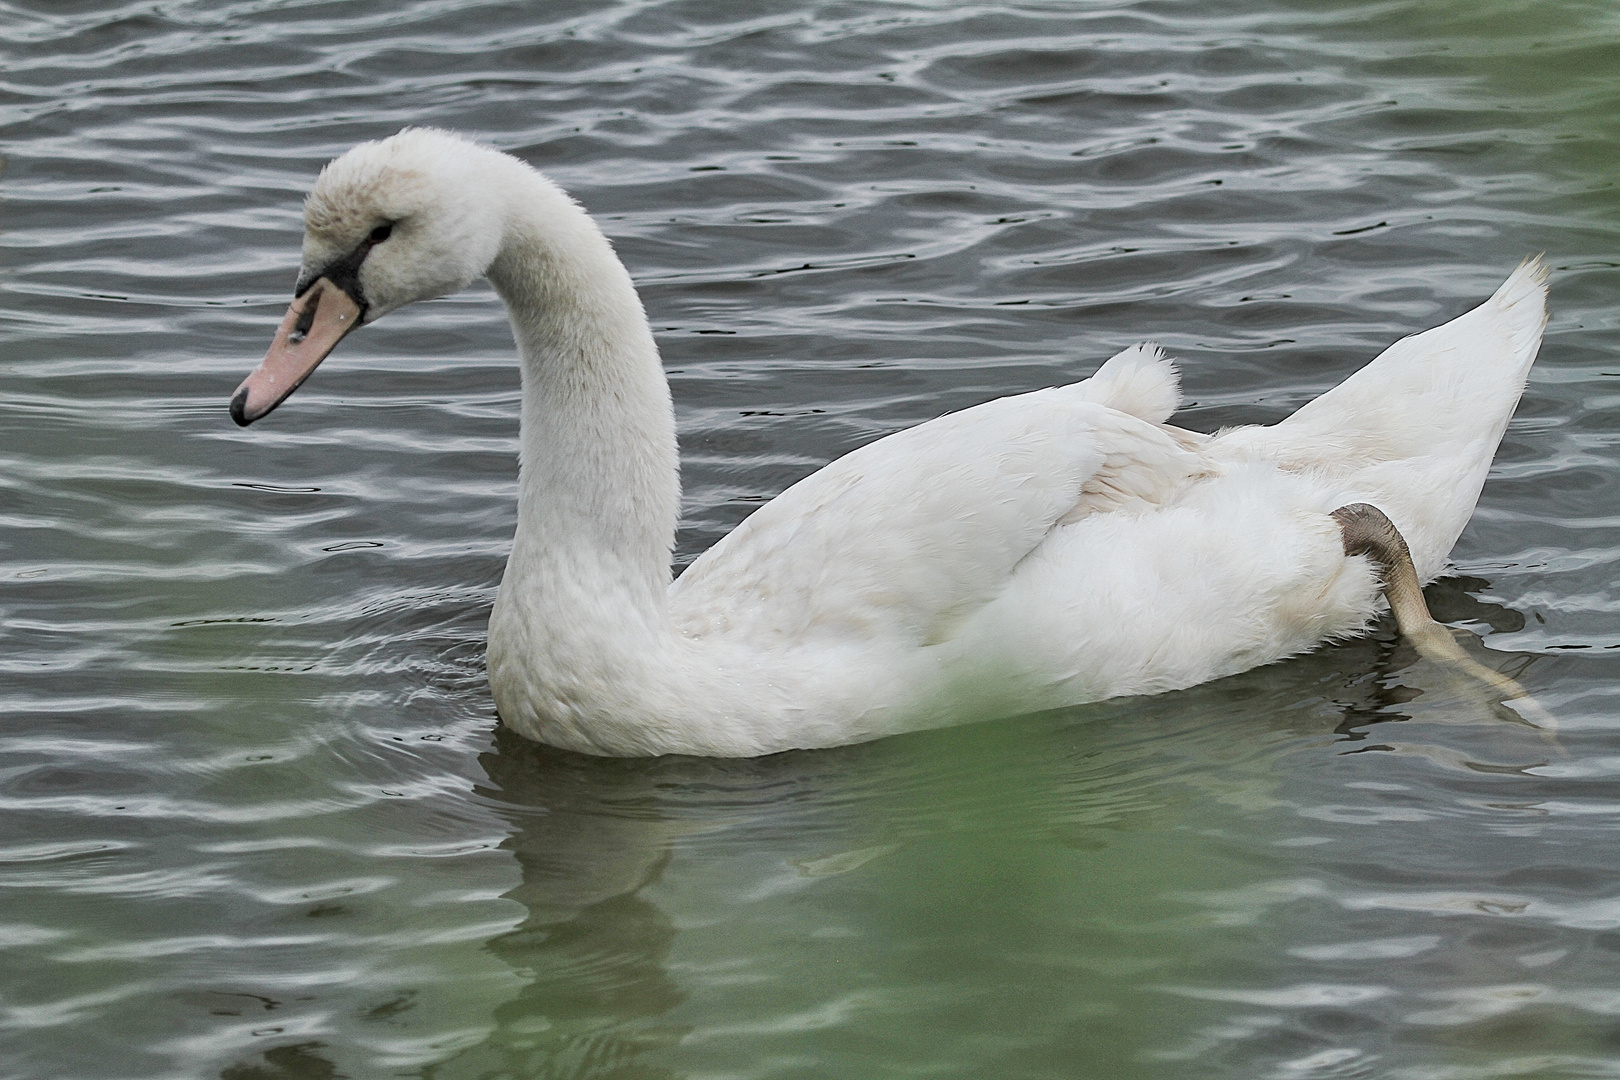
(903, 538)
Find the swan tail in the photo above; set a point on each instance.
(1414, 432)
(1522, 303)
(1140, 381)
(1446, 384)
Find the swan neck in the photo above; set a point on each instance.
(599, 486)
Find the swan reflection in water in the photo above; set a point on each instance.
(594, 837)
(591, 834)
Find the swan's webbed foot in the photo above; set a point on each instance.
(1368, 531)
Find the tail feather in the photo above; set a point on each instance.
(1432, 385)
(1140, 381)
(1414, 432)
(1522, 304)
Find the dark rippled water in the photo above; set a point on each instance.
(256, 820)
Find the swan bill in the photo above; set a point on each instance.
(317, 320)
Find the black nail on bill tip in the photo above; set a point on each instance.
(239, 408)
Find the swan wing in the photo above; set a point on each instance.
(902, 539)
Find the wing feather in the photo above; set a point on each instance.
(905, 537)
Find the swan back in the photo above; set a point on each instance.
(903, 539)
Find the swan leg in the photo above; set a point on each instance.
(1367, 531)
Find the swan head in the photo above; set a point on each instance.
(388, 223)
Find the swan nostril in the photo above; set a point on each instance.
(306, 319)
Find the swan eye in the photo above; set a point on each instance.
(381, 233)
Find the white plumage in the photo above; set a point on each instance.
(1047, 549)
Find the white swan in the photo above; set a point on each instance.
(1053, 548)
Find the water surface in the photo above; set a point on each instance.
(256, 817)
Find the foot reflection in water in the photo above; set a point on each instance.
(1401, 685)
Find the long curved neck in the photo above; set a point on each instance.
(599, 487)
(583, 651)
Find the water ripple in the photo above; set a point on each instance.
(256, 820)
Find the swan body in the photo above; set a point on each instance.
(1047, 549)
